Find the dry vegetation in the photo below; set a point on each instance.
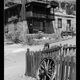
(19, 33)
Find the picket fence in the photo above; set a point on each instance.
(64, 57)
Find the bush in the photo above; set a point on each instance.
(29, 39)
(39, 36)
(17, 32)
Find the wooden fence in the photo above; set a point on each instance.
(64, 57)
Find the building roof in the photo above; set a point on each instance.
(63, 14)
(43, 3)
(9, 6)
(53, 3)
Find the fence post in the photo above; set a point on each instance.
(61, 61)
(74, 75)
(72, 67)
(67, 65)
(63, 69)
(58, 64)
(32, 64)
(35, 62)
(57, 71)
(26, 61)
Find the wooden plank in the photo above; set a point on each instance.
(63, 69)
(29, 65)
(65, 73)
(60, 76)
(67, 69)
(56, 72)
(71, 68)
(32, 64)
(26, 62)
(35, 62)
(74, 73)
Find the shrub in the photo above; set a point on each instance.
(39, 36)
(29, 39)
(17, 32)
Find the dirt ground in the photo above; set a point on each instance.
(14, 59)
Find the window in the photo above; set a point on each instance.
(59, 23)
(69, 24)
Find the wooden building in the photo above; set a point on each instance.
(11, 12)
(64, 22)
(38, 15)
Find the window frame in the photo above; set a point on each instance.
(59, 22)
(69, 22)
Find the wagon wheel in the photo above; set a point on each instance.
(46, 70)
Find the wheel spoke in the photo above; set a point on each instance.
(53, 67)
(49, 76)
(47, 68)
(50, 72)
(44, 64)
(47, 63)
(50, 62)
(42, 67)
(44, 77)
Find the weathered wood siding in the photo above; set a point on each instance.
(64, 22)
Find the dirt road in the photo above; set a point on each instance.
(15, 48)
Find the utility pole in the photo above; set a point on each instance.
(45, 21)
(23, 10)
(23, 20)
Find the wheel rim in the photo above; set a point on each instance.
(46, 69)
